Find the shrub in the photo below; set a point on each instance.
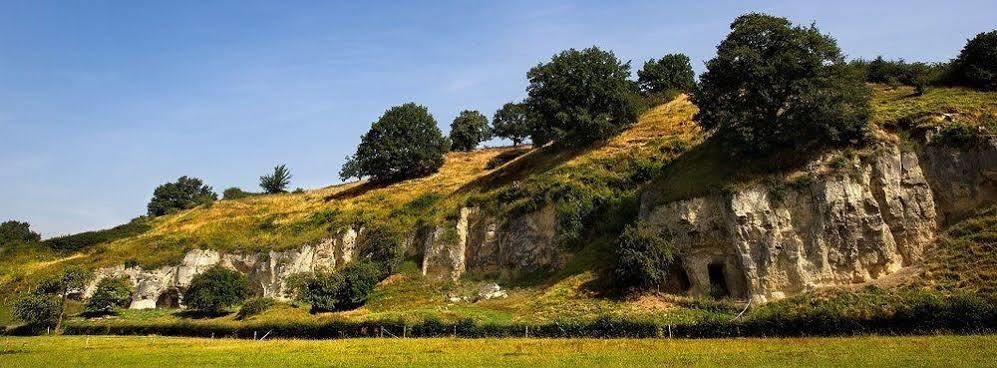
(581, 96)
(644, 258)
(184, 194)
(12, 232)
(469, 129)
(918, 75)
(87, 239)
(385, 246)
(671, 73)
(235, 193)
(318, 289)
(976, 65)
(215, 290)
(276, 182)
(111, 293)
(774, 85)
(343, 289)
(68, 283)
(38, 310)
(255, 306)
(404, 143)
(511, 122)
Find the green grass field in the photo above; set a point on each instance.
(78, 351)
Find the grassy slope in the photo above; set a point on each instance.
(937, 351)
(665, 140)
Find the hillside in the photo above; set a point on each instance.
(542, 222)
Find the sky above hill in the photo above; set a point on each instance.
(101, 101)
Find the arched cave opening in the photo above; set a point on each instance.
(168, 299)
(718, 280)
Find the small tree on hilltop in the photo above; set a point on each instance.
(580, 97)
(276, 182)
(469, 129)
(775, 85)
(12, 232)
(404, 143)
(511, 122)
(216, 289)
(184, 194)
(976, 65)
(672, 73)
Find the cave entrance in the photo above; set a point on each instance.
(718, 281)
(168, 299)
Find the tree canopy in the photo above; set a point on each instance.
(581, 96)
(976, 65)
(469, 129)
(773, 84)
(183, 194)
(511, 122)
(403, 143)
(12, 232)
(276, 182)
(216, 289)
(672, 73)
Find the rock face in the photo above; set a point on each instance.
(838, 228)
(267, 272)
(482, 243)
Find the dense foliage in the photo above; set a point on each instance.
(343, 289)
(672, 73)
(111, 293)
(775, 85)
(644, 258)
(12, 232)
(236, 193)
(86, 239)
(38, 310)
(469, 129)
(404, 143)
(580, 97)
(276, 182)
(255, 306)
(216, 289)
(46, 305)
(897, 72)
(511, 122)
(183, 194)
(976, 65)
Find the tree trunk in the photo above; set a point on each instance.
(62, 313)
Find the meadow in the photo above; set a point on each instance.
(153, 351)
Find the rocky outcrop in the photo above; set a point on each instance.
(847, 226)
(267, 272)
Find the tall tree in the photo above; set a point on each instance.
(403, 143)
(183, 194)
(672, 73)
(773, 84)
(581, 96)
(469, 129)
(278, 181)
(511, 122)
(976, 65)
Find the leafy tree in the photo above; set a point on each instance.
(469, 129)
(404, 143)
(511, 122)
(59, 288)
(644, 258)
(773, 85)
(976, 65)
(276, 182)
(343, 289)
(235, 193)
(384, 246)
(38, 310)
(12, 232)
(671, 73)
(184, 194)
(580, 97)
(216, 289)
(111, 293)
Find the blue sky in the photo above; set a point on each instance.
(100, 101)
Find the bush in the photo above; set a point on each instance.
(511, 122)
(671, 73)
(184, 194)
(403, 144)
(215, 290)
(976, 65)
(469, 129)
(255, 306)
(87, 239)
(236, 193)
(276, 182)
(580, 97)
(773, 85)
(383, 245)
(38, 310)
(12, 232)
(918, 75)
(644, 258)
(339, 290)
(111, 293)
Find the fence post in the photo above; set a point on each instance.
(669, 330)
